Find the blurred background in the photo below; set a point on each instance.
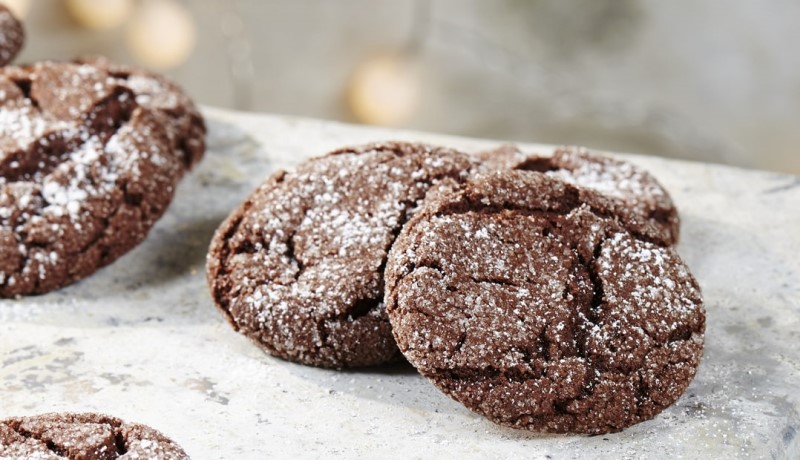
(707, 80)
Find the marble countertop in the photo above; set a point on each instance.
(141, 339)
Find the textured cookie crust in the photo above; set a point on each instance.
(12, 36)
(636, 191)
(185, 125)
(88, 163)
(84, 437)
(298, 267)
(521, 298)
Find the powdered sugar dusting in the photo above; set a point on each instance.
(77, 151)
(308, 259)
(68, 435)
(618, 179)
(153, 92)
(662, 305)
(22, 126)
(540, 312)
(637, 194)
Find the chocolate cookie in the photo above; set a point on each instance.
(12, 36)
(523, 298)
(635, 190)
(83, 436)
(88, 163)
(298, 268)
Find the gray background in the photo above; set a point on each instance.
(709, 80)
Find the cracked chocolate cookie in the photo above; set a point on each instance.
(635, 191)
(89, 160)
(523, 298)
(298, 268)
(12, 36)
(83, 436)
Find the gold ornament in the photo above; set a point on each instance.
(161, 34)
(385, 90)
(100, 14)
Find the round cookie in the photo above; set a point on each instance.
(87, 166)
(638, 193)
(12, 36)
(298, 268)
(84, 436)
(522, 298)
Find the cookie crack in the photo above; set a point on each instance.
(104, 128)
(50, 445)
(462, 338)
(24, 85)
(538, 164)
(37, 160)
(432, 265)
(597, 282)
(120, 442)
(220, 289)
(641, 394)
(591, 318)
(362, 307)
(500, 376)
(495, 281)
(49, 150)
(543, 343)
(292, 256)
(290, 252)
(572, 203)
(661, 215)
(402, 220)
(324, 334)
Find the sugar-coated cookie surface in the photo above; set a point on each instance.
(635, 190)
(84, 436)
(177, 112)
(526, 299)
(12, 36)
(299, 266)
(90, 156)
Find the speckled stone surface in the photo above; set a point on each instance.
(141, 339)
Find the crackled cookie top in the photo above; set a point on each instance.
(86, 167)
(299, 266)
(520, 297)
(83, 436)
(185, 126)
(12, 36)
(635, 191)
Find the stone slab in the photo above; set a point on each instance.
(141, 339)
